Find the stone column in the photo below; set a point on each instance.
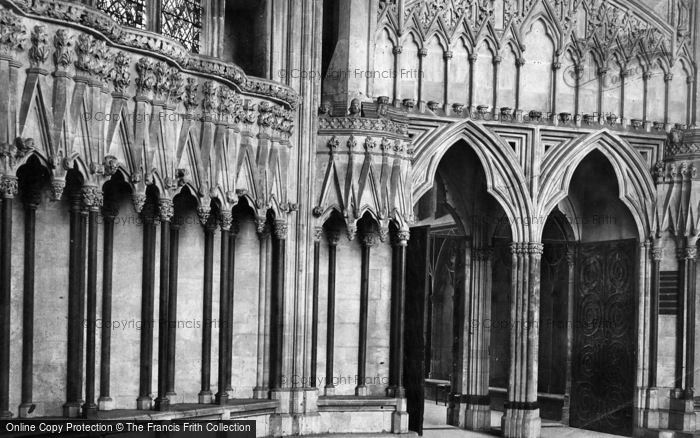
(145, 400)
(690, 119)
(71, 408)
(645, 77)
(261, 389)
(478, 296)
(368, 240)
(556, 66)
(522, 416)
(400, 416)
(205, 395)
(277, 304)
(447, 56)
(623, 80)
(682, 406)
(397, 67)
(668, 77)
(602, 73)
(172, 308)
(691, 256)
(225, 223)
(8, 190)
(398, 285)
(578, 69)
(472, 60)
(92, 199)
(496, 74)
(30, 207)
(657, 255)
(333, 237)
(519, 63)
(422, 53)
(165, 213)
(105, 402)
(318, 233)
(229, 328)
(571, 291)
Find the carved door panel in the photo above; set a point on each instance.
(604, 338)
(415, 323)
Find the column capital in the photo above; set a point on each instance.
(603, 71)
(8, 186)
(397, 50)
(401, 237)
(647, 75)
(422, 52)
(91, 198)
(110, 210)
(279, 229)
(368, 239)
(165, 209)
(225, 220)
(262, 229)
(520, 62)
(690, 253)
(447, 55)
(534, 248)
(690, 80)
(333, 237)
(570, 255)
(556, 65)
(318, 234)
(657, 254)
(497, 60)
(473, 57)
(668, 77)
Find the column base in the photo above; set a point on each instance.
(7, 414)
(221, 398)
(25, 409)
(205, 397)
(144, 403)
(105, 404)
(89, 410)
(329, 391)
(651, 417)
(477, 417)
(281, 425)
(361, 391)
(681, 415)
(71, 410)
(521, 423)
(162, 404)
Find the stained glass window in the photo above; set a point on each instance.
(182, 20)
(127, 12)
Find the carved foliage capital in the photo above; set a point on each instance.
(225, 220)
(8, 186)
(279, 229)
(91, 198)
(369, 239)
(39, 52)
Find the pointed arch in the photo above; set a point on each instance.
(504, 177)
(636, 188)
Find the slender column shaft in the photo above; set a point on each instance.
(261, 390)
(229, 327)
(147, 306)
(172, 308)
(422, 53)
(314, 310)
(75, 324)
(28, 307)
(8, 190)
(447, 56)
(496, 74)
(646, 76)
(578, 69)
(602, 74)
(667, 95)
(277, 304)
(94, 203)
(205, 394)
(165, 210)
(402, 238)
(623, 77)
(680, 322)
(222, 394)
(472, 62)
(555, 75)
(368, 240)
(657, 256)
(571, 260)
(106, 332)
(691, 255)
(397, 66)
(333, 237)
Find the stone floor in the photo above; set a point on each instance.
(434, 427)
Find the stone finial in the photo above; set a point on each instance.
(120, 73)
(39, 52)
(62, 55)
